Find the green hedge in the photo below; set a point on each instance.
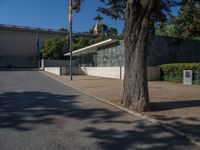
(174, 72)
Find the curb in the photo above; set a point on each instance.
(165, 126)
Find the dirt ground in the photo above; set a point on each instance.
(172, 103)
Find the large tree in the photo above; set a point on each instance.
(187, 22)
(138, 14)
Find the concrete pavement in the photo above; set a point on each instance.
(37, 112)
(180, 109)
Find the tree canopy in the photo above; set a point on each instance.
(53, 49)
(116, 8)
(186, 24)
(80, 41)
(111, 31)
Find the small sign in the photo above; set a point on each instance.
(187, 77)
(187, 74)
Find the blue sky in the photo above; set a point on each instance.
(51, 14)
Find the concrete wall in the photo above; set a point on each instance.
(55, 63)
(59, 67)
(54, 70)
(109, 72)
(161, 50)
(153, 73)
(18, 47)
(64, 70)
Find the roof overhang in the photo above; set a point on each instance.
(91, 48)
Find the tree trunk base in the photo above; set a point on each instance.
(136, 106)
(137, 17)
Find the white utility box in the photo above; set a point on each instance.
(187, 77)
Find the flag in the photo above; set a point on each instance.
(70, 11)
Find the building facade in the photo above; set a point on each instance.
(161, 50)
(20, 46)
(99, 29)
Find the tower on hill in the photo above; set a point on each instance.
(99, 28)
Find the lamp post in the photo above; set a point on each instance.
(70, 28)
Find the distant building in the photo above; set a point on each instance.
(99, 29)
(20, 46)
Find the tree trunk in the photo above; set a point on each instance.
(137, 17)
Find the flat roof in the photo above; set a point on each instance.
(92, 48)
(31, 29)
(7, 27)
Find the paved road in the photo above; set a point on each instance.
(38, 113)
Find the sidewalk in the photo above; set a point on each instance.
(171, 103)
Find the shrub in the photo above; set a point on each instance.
(174, 72)
(53, 49)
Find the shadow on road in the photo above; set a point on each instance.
(24, 111)
(188, 124)
(170, 105)
(18, 69)
(18, 109)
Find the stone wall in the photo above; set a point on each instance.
(111, 56)
(165, 50)
(161, 50)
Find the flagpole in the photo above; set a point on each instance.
(38, 49)
(70, 26)
(71, 78)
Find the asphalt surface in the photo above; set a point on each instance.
(38, 113)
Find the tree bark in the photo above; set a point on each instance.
(137, 18)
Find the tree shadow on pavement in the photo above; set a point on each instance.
(179, 114)
(170, 105)
(113, 130)
(188, 125)
(141, 137)
(18, 69)
(19, 109)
